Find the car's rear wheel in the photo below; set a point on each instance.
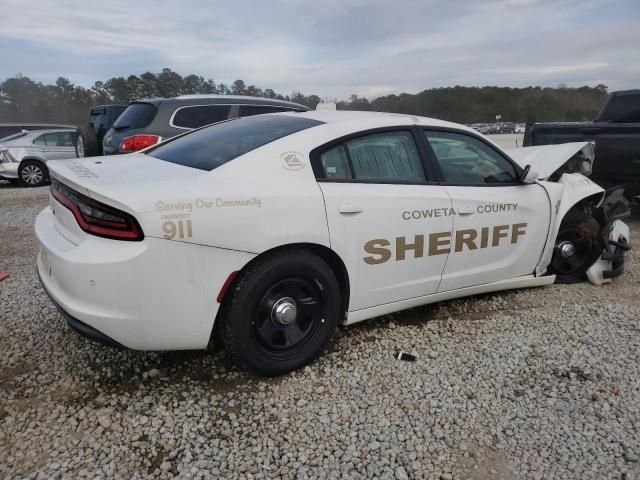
(33, 173)
(282, 313)
(578, 245)
(86, 142)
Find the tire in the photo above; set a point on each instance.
(86, 142)
(578, 245)
(262, 332)
(33, 173)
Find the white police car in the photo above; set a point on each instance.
(276, 228)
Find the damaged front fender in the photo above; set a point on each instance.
(609, 207)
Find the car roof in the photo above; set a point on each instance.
(368, 120)
(50, 130)
(29, 134)
(221, 99)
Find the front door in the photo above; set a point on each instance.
(500, 226)
(385, 219)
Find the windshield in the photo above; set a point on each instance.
(212, 146)
(136, 115)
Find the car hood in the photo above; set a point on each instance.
(575, 157)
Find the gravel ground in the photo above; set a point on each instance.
(540, 383)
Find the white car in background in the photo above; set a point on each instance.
(24, 156)
(271, 230)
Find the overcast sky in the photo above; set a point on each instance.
(328, 47)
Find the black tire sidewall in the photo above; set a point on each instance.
(89, 141)
(45, 173)
(239, 337)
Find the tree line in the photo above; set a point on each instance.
(24, 100)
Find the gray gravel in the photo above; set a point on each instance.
(541, 383)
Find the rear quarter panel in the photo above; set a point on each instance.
(264, 199)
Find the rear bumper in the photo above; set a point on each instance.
(79, 327)
(151, 295)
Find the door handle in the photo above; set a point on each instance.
(466, 210)
(346, 209)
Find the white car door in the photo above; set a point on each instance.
(382, 212)
(500, 225)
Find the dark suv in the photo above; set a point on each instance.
(147, 122)
(89, 136)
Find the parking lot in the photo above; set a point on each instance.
(539, 383)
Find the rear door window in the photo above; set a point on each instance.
(389, 157)
(249, 110)
(218, 144)
(136, 115)
(199, 115)
(57, 139)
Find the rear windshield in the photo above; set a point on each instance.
(137, 115)
(12, 137)
(215, 145)
(622, 108)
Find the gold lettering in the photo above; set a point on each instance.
(517, 230)
(437, 240)
(376, 247)
(466, 237)
(484, 239)
(402, 246)
(499, 231)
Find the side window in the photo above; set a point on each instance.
(465, 160)
(249, 110)
(51, 139)
(59, 139)
(40, 141)
(379, 157)
(65, 139)
(200, 115)
(335, 163)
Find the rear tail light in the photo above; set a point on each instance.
(97, 218)
(138, 142)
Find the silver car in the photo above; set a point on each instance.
(23, 156)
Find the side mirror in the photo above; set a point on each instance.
(528, 176)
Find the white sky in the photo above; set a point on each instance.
(328, 47)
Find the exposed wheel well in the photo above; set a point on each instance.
(588, 205)
(329, 256)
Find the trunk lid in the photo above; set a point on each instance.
(127, 182)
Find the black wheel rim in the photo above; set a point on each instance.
(584, 243)
(280, 339)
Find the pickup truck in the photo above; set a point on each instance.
(616, 133)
